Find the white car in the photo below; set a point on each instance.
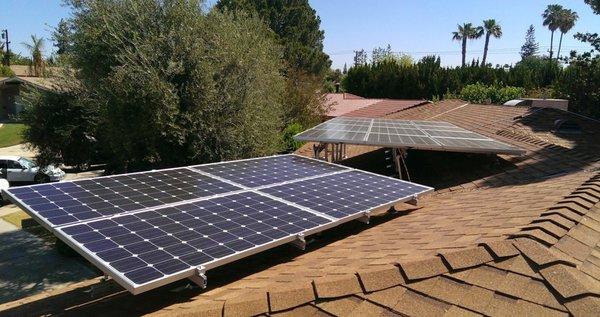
(18, 169)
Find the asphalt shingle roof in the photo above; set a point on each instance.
(520, 241)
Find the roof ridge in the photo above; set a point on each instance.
(567, 213)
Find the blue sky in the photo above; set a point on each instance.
(415, 27)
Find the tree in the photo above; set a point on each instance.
(345, 69)
(212, 91)
(567, 19)
(466, 32)
(381, 53)
(61, 37)
(296, 24)
(360, 57)
(531, 46)
(35, 49)
(551, 19)
(595, 5)
(492, 28)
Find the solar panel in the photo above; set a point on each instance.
(69, 202)
(152, 245)
(265, 171)
(427, 135)
(346, 194)
(151, 228)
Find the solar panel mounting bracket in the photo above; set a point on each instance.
(300, 241)
(414, 201)
(199, 277)
(365, 217)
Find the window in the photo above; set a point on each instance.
(13, 164)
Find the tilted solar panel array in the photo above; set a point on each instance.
(426, 135)
(151, 228)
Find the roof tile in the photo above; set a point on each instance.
(537, 235)
(374, 280)
(549, 228)
(573, 247)
(302, 311)
(587, 306)
(502, 248)
(388, 297)
(414, 304)
(423, 268)
(564, 212)
(366, 308)
(251, 304)
(467, 258)
(556, 219)
(517, 265)
(483, 276)
(514, 285)
(341, 306)
(449, 290)
(291, 296)
(563, 281)
(477, 299)
(456, 311)
(537, 253)
(337, 286)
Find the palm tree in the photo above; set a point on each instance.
(551, 19)
(466, 32)
(35, 49)
(566, 23)
(492, 28)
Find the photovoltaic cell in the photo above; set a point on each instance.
(150, 245)
(427, 135)
(346, 194)
(69, 202)
(267, 171)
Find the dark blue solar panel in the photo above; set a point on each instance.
(345, 194)
(270, 170)
(149, 245)
(69, 202)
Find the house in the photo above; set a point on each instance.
(12, 87)
(344, 104)
(501, 235)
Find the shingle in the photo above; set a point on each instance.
(514, 285)
(374, 280)
(502, 249)
(387, 297)
(536, 234)
(449, 290)
(302, 311)
(456, 311)
(563, 281)
(208, 308)
(337, 286)
(585, 234)
(564, 212)
(586, 306)
(366, 308)
(484, 276)
(247, 305)
(548, 227)
(341, 306)
(414, 304)
(556, 219)
(291, 296)
(573, 248)
(467, 258)
(517, 265)
(531, 309)
(477, 299)
(538, 292)
(537, 253)
(423, 268)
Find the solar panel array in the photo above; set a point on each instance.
(426, 135)
(151, 228)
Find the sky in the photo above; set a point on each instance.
(413, 27)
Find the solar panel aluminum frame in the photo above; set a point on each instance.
(193, 272)
(514, 151)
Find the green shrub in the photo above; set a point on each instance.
(289, 144)
(5, 71)
(480, 93)
(477, 93)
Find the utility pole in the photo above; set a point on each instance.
(6, 61)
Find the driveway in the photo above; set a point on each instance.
(17, 150)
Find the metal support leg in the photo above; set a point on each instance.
(199, 277)
(396, 156)
(414, 201)
(365, 218)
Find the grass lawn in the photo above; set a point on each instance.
(10, 134)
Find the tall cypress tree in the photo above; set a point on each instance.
(531, 46)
